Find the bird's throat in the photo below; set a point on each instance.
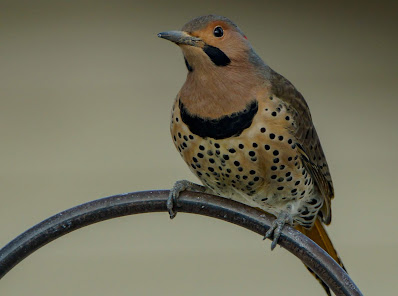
(212, 92)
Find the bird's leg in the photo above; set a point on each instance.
(179, 187)
(277, 226)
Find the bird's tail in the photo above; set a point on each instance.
(319, 235)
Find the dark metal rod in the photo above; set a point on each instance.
(189, 202)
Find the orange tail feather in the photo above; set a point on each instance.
(319, 235)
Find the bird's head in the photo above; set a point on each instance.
(225, 73)
(210, 42)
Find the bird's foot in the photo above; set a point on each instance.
(179, 187)
(277, 226)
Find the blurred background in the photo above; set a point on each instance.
(86, 90)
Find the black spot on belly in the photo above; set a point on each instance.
(312, 201)
(220, 128)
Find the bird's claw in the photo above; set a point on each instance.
(171, 202)
(179, 187)
(276, 228)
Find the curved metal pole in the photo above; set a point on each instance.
(189, 202)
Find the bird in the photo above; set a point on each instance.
(247, 133)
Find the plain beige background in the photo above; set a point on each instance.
(85, 92)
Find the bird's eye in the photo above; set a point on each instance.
(218, 32)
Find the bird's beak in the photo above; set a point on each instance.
(181, 37)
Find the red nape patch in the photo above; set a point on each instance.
(245, 36)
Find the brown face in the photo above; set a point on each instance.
(222, 42)
(217, 43)
(218, 58)
(221, 35)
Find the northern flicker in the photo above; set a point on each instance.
(246, 132)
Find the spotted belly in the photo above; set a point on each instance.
(260, 167)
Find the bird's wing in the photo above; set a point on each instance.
(307, 140)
